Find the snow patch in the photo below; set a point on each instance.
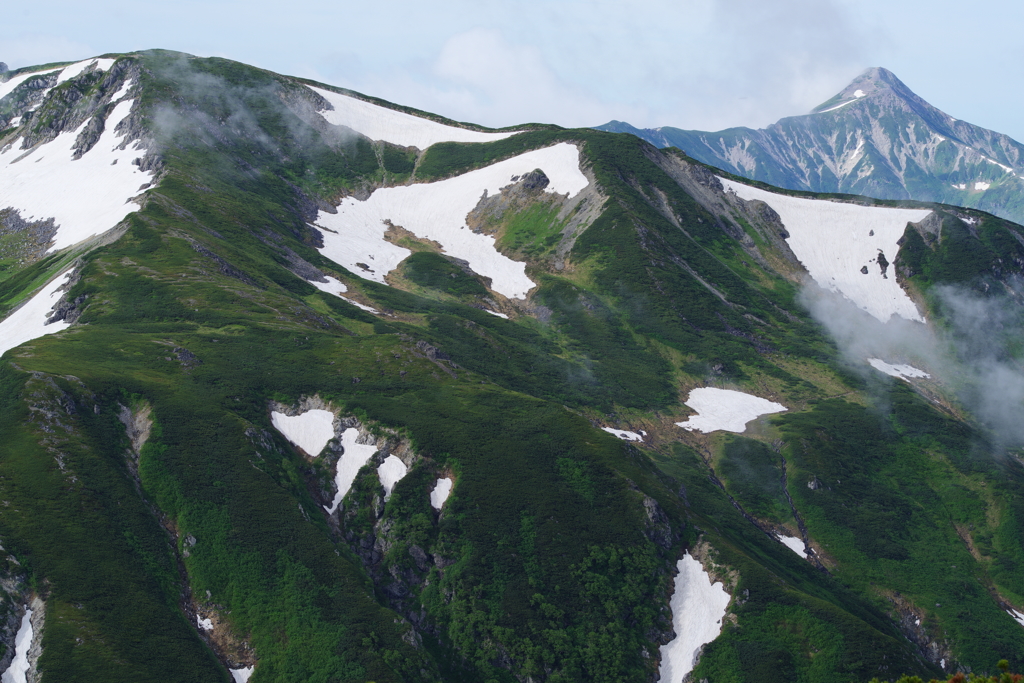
(901, 371)
(858, 93)
(794, 544)
(982, 185)
(500, 315)
(76, 69)
(204, 623)
(16, 672)
(960, 186)
(1002, 166)
(390, 473)
(834, 240)
(94, 191)
(725, 409)
(354, 236)
(622, 434)
(1013, 613)
(698, 607)
(241, 675)
(399, 128)
(442, 489)
(352, 459)
(29, 321)
(310, 431)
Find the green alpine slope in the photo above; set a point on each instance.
(157, 517)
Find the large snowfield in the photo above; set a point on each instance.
(698, 607)
(85, 197)
(437, 211)
(29, 321)
(352, 459)
(396, 127)
(310, 431)
(725, 409)
(835, 241)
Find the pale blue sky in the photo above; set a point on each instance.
(704, 64)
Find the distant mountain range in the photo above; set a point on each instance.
(875, 138)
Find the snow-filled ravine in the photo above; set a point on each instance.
(837, 242)
(442, 489)
(794, 544)
(310, 431)
(29, 321)
(381, 123)
(84, 197)
(354, 236)
(900, 371)
(16, 672)
(390, 473)
(698, 607)
(241, 675)
(725, 409)
(355, 455)
(1018, 616)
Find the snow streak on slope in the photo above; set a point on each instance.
(353, 458)
(354, 236)
(29, 321)
(901, 371)
(390, 473)
(725, 409)
(8, 87)
(310, 431)
(76, 69)
(442, 489)
(398, 128)
(336, 287)
(16, 672)
(85, 197)
(698, 607)
(623, 434)
(835, 241)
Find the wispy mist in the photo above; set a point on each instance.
(972, 349)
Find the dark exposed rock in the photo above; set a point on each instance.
(432, 352)
(187, 359)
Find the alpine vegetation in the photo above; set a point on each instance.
(303, 385)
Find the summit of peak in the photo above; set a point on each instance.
(873, 81)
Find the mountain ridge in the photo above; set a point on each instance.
(607, 427)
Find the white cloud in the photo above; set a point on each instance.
(480, 76)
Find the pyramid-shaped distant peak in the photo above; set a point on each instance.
(872, 82)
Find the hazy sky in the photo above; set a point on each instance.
(705, 64)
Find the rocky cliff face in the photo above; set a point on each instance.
(875, 137)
